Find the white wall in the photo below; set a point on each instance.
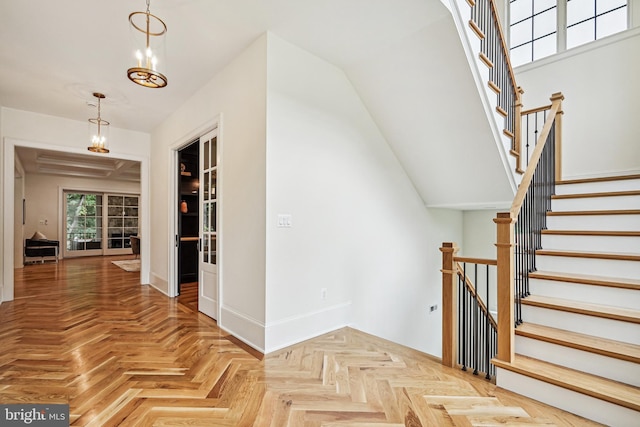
(42, 195)
(601, 87)
(359, 228)
(22, 128)
(479, 233)
(238, 94)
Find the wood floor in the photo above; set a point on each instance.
(84, 332)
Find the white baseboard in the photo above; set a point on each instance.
(245, 328)
(292, 330)
(159, 284)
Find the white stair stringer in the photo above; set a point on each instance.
(460, 11)
(579, 403)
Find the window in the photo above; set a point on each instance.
(539, 28)
(84, 221)
(122, 220)
(99, 223)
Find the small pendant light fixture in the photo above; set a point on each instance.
(153, 28)
(98, 130)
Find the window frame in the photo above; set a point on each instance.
(561, 27)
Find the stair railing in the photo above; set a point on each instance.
(470, 341)
(519, 230)
(485, 23)
(469, 331)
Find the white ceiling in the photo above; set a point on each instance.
(403, 57)
(55, 54)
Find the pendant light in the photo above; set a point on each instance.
(145, 73)
(98, 130)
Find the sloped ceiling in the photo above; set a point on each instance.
(403, 57)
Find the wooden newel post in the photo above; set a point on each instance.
(505, 250)
(557, 98)
(449, 301)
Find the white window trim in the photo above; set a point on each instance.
(561, 34)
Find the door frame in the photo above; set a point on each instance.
(174, 194)
(9, 163)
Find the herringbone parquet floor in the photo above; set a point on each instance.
(86, 333)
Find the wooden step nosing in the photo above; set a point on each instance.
(597, 179)
(594, 195)
(592, 255)
(600, 312)
(575, 344)
(593, 392)
(596, 212)
(587, 280)
(608, 233)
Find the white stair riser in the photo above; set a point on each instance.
(595, 203)
(594, 222)
(605, 328)
(599, 187)
(627, 244)
(570, 401)
(605, 295)
(592, 363)
(590, 266)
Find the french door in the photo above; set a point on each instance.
(208, 260)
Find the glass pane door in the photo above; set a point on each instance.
(83, 212)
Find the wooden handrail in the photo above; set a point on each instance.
(482, 261)
(472, 289)
(556, 108)
(536, 110)
(494, 11)
(505, 241)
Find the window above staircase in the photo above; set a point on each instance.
(540, 28)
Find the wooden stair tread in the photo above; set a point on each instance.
(595, 212)
(592, 233)
(597, 179)
(581, 382)
(601, 194)
(606, 347)
(589, 309)
(614, 282)
(621, 256)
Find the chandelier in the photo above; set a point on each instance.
(145, 73)
(98, 130)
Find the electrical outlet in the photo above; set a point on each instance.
(323, 293)
(433, 308)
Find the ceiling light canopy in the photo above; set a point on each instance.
(98, 130)
(149, 30)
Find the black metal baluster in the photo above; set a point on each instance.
(477, 314)
(464, 317)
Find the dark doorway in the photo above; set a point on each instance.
(188, 208)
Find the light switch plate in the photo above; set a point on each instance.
(284, 220)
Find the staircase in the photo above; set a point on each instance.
(579, 346)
